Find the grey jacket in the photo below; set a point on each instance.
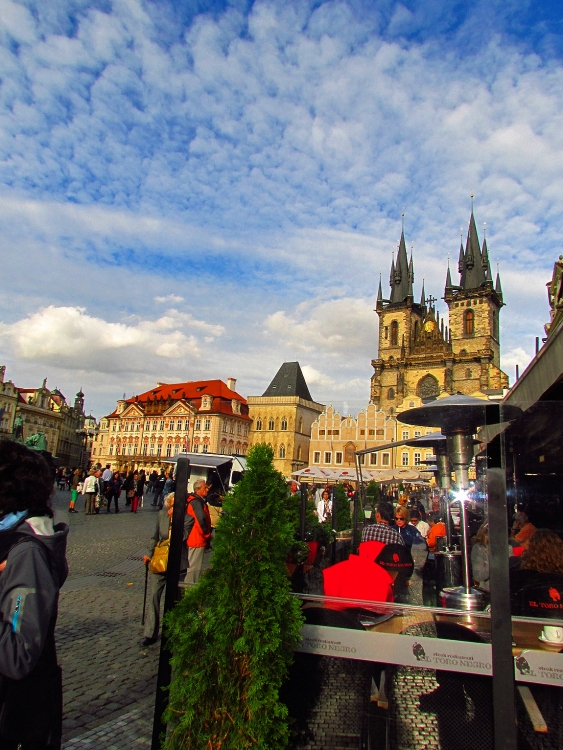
(29, 594)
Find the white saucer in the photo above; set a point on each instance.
(555, 644)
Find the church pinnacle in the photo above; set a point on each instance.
(402, 274)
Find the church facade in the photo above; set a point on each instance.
(421, 355)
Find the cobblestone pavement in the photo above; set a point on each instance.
(109, 680)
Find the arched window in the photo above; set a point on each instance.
(391, 393)
(469, 323)
(284, 425)
(394, 333)
(299, 453)
(300, 424)
(271, 423)
(258, 424)
(468, 374)
(282, 451)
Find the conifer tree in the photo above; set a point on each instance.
(341, 519)
(232, 636)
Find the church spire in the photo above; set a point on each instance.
(423, 296)
(449, 289)
(474, 271)
(401, 274)
(379, 302)
(498, 287)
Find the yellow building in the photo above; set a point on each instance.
(283, 417)
(37, 411)
(8, 404)
(420, 356)
(205, 416)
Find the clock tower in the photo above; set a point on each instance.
(419, 355)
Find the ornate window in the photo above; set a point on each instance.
(282, 451)
(271, 423)
(428, 388)
(258, 424)
(394, 333)
(469, 323)
(284, 424)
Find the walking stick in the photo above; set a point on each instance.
(145, 597)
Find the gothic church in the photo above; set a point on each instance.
(421, 356)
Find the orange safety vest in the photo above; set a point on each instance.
(197, 538)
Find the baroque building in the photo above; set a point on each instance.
(282, 416)
(8, 404)
(419, 354)
(203, 416)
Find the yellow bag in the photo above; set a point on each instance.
(159, 559)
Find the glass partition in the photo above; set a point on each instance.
(412, 624)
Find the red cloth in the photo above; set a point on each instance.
(517, 551)
(370, 550)
(358, 578)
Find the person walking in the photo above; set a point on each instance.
(129, 487)
(199, 530)
(135, 499)
(158, 580)
(113, 491)
(141, 482)
(90, 490)
(32, 569)
(76, 481)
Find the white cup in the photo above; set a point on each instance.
(554, 634)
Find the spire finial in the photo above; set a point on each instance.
(403, 220)
(472, 196)
(485, 227)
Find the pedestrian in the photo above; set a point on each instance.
(324, 507)
(135, 498)
(199, 530)
(141, 487)
(158, 580)
(382, 530)
(153, 480)
(113, 491)
(106, 477)
(74, 490)
(408, 532)
(32, 569)
(160, 494)
(129, 487)
(90, 490)
(99, 499)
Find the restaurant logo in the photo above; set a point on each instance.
(522, 665)
(396, 558)
(554, 594)
(419, 652)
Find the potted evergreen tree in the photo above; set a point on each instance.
(232, 636)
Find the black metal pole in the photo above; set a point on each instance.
(170, 595)
(303, 511)
(505, 731)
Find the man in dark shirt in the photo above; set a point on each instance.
(382, 531)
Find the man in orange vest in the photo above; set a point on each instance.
(199, 530)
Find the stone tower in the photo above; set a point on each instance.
(421, 356)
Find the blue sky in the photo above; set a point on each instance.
(208, 189)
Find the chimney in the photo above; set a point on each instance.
(121, 404)
(231, 384)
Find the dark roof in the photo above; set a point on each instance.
(473, 266)
(289, 381)
(402, 275)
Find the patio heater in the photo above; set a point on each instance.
(459, 417)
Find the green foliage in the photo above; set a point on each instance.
(232, 636)
(341, 519)
(373, 493)
(314, 531)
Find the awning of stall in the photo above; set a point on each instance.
(207, 460)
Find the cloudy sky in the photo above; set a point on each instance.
(206, 189)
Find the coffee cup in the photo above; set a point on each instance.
(553, 634)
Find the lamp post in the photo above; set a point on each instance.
(459, 417)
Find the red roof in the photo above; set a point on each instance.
(193, 390)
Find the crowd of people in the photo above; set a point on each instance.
(102, 488)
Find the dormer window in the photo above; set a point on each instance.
(235, 405)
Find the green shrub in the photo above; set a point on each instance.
(341, 519)
(373, 493)
(233, 635)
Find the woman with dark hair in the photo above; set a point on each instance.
(32, 570)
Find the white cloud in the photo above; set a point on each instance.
(339, 327)
(173, 298)
(314, 377)
(68, 337)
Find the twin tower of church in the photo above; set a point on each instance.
(421, 356)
